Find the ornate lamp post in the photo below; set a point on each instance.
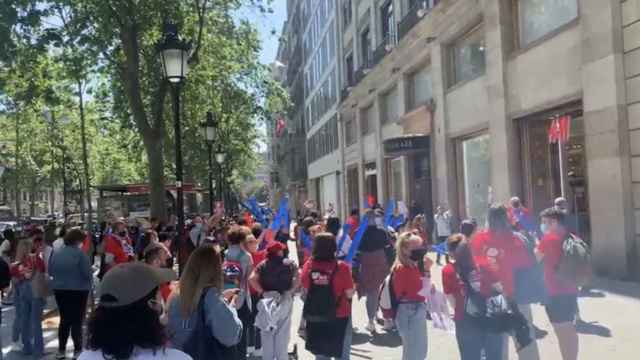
(210, 128)
(174, 53)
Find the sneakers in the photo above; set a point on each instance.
(371, 327)
(60, 355)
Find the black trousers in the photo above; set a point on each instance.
(244, 313)
(72, 305)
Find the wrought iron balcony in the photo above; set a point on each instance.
(385, 47)
(414, 15)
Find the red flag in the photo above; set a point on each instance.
(564, 128)
(280, 126)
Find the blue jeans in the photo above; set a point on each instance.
(30, 317)
(472, 341)
(346, 347)
(411, 321)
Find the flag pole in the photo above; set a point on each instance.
(561, 162)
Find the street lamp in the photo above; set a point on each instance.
(210, 135)
(174, 54)
(220, 158)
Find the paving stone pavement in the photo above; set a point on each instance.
(611, 311)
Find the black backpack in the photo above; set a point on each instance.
(5, 274)
(321, 303)
(201, 344)
(276, 276)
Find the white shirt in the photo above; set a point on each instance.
(443, 224)
(58, 243)
(140, 354)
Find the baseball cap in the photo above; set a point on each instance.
(127, 283)
(276, 246)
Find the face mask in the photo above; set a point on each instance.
(544, 228)
(122, 233)
(417, 254)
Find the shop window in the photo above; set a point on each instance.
(396, 183)
(537, 18)
(475, 164)
(420, 88)
(390, 106)
(467, 56)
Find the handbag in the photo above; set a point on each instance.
(201, 344)
(40, 285)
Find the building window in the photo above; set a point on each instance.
(475, 158)
(468, 56)
(390, 106)
(347, 12)
(537, 18)
(367, 120)
(387, 22)
(348, 66)
(350, 132)
(396, 177)
(353, 188)
(366, 54)
(420, 88)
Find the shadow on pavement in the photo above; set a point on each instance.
(387, 339)
(623, 288)
(593, 328)
(591, 293)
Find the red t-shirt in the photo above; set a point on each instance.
(452, 285)
(407, 283)
(257, 257)
(551, 247)
(31, 263)
(342, 282)
(504, 253)
(115, 247)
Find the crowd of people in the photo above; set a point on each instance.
(238, 280)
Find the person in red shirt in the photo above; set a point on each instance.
(118, 247)
(330, 338)
(562, 305)
(353, 221)
(411, 281)
(28, 304)
(472, 340)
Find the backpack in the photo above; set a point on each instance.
(387, 298)
(575, 263)
(5, 274)
(276, 276)
(201, 343)
(321, 303)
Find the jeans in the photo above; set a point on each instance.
(411, 321)
(17, 322)
(472, 341)
(346, 346)
(30, 319)
(372, 305)
(72, 305)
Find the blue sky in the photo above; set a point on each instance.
(266, 23)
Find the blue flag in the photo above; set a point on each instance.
(256, 211)
(282, 216)
(306, 239)
(440, 248)
(355, 243)
(345, 232)
(388, 213)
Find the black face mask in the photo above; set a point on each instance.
(123, 233)
(418, 254)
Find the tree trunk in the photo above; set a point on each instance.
(17, 168)
(155, 155)
(85, 159)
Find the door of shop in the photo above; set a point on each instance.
(541, 166)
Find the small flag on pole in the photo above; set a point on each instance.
(560, 130)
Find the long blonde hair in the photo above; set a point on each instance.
(23, 249)
(402, 258)
(203, 270)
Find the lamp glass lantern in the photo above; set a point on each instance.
(174, 53)
(210, 128)
(220, 157)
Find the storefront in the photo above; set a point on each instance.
(548, 172)
(473, 158)
(408, 162)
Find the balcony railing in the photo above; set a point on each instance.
(414, 15)
(385, 47)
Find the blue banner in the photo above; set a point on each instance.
(355, 243)
(345, 232)
(282, 216)
(388, 213)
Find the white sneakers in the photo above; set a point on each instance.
(371, 327)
